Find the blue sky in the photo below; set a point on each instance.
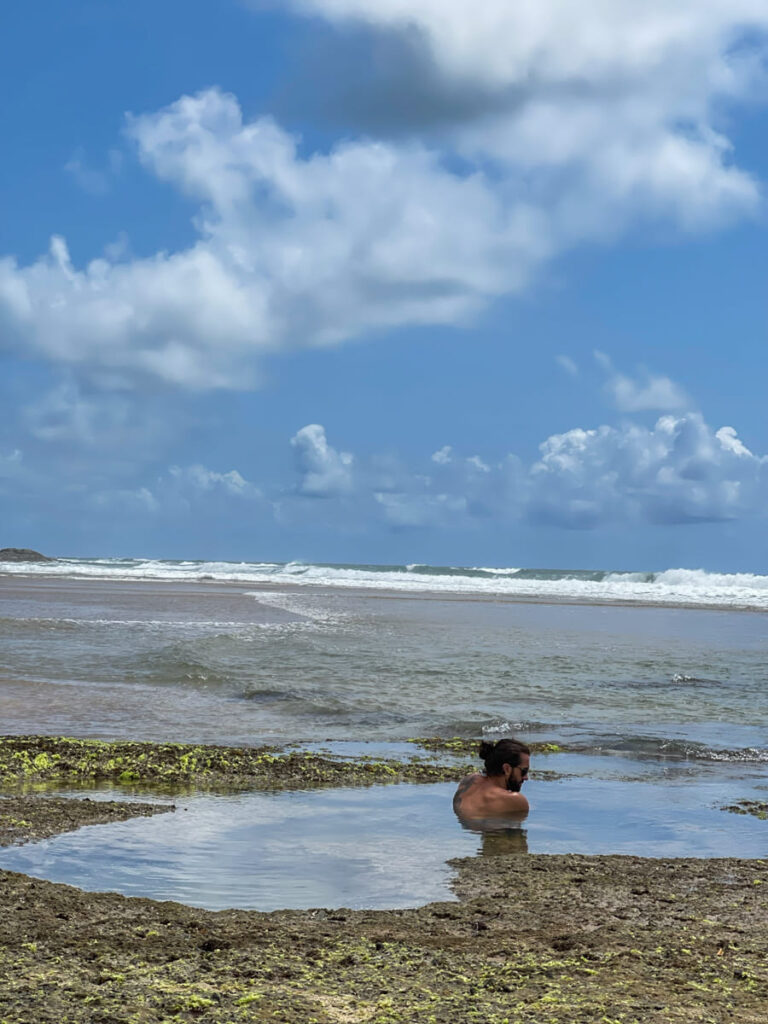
(368, 280)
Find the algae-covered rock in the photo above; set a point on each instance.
(26, 819)
(56, 759)
(533, 940)
(759, 808)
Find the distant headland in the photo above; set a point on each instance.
(23, 555)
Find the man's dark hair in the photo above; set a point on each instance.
(496, 755)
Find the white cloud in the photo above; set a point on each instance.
(180, 490)
(590, 117)
(621, 93)
(646, 393)
(202, 479)
(443, 456)
(324, 472)
(503, 43)
(653, 393)
(677, 471)
(130, 501)
(730, 442)
(292, 252)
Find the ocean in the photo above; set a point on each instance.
(655, 683)
(670, 664)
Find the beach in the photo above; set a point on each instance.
(548, 938)
(288, 735)
(383, 490)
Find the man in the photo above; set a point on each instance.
(495, 793)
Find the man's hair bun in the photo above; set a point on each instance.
(505, 751)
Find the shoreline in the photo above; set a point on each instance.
(544, 938)
(384, 593)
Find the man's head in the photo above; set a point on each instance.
(509, 758)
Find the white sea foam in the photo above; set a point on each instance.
(669, 587)
(495, 572)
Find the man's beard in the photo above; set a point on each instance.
(514, 785)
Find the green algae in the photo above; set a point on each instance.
(758, 808)
(39, 761)
(536, 940)
(533, 939)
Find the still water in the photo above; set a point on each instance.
(383, 846)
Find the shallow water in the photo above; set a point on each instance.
(383, 846)
(668, 707)
(224, 663)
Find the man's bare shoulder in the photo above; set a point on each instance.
(516, 801)
(466, 784)
(506, 804)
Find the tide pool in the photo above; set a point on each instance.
(383, 846)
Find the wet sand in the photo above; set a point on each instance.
(534, 939)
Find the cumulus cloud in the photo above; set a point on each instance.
(323, 471)
(589, 117)
(202, 479)
(183, 489)
(621, 93)
(677, 471)
(292, 252)
(503, 43)
(443, 456)
(655, 393)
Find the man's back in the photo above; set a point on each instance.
(477, 796)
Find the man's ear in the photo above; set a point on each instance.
(507, 769)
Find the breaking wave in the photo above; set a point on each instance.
(695, 587)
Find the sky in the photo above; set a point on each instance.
(380, 281)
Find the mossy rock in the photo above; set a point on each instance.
(64, 760)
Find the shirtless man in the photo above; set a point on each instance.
(496, 792)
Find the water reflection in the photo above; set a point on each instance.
(505, 842)
(381, 847)
(500, 837)
(386, 846)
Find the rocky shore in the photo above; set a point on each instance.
(23, 555)
(60, 760)
(534, 939)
